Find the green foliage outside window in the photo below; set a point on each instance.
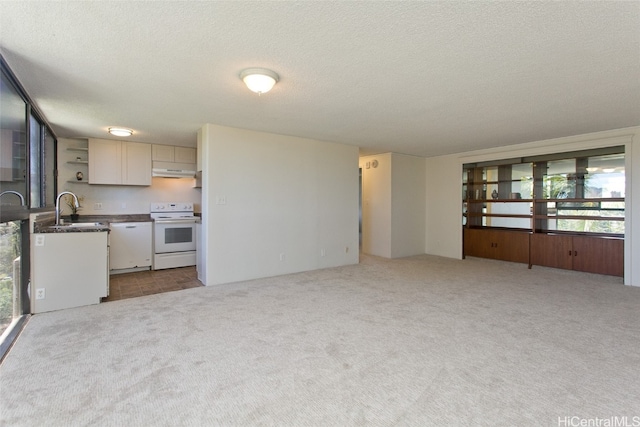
(9, 251)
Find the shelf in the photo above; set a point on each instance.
(86, 150)
(492, 215)
(78, 162)
(593, 199)
(499, 200)
(581, 217)
(77, 182)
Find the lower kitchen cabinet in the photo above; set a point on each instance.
(497, 244)
(68, 270)
(602, 255)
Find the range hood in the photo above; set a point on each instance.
(173, 170)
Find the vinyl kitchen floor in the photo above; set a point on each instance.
(131, 285)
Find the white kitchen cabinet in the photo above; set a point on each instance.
(105, 162)
(136, 163)
(131, 245)
(68, 270)
(185, 155)
(170, 153)
(119, 162)
(162, 153)
(199, 151)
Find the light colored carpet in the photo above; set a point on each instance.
(416, 341)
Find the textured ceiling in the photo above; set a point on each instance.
(421, 78)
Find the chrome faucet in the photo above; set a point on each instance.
(16, 193)
(58, 210)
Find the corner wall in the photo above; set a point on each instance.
(275, 204)
(376, 205)
(393, 205)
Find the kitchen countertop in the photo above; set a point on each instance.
(103, 221)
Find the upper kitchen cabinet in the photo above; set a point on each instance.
(119, 162)
(169, 153)
(199, 152)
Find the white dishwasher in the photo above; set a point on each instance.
(130, 246)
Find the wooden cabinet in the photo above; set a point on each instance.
(497, 244)
(600, 255)
(119, 162)
(170, 153)
(560, 200)
(552, 251)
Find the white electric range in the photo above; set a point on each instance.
(174, 232)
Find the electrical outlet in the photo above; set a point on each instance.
(322, 252)
(281, 257)
(221, 200)
(40, 294)
(97, 206)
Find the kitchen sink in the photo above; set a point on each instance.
(79, 225)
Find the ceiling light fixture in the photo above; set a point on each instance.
(120, 131)
(259, 80)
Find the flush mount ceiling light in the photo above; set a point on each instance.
(120, 131)
(259, 80)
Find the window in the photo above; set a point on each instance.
(27, 182)
(13, 150)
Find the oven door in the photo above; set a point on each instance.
(177, 235)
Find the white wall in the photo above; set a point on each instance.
(119, 199)
(376, 205)
(393, 205)
(444, 207)
(407, 205)
(444, 195)
(274, 204)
